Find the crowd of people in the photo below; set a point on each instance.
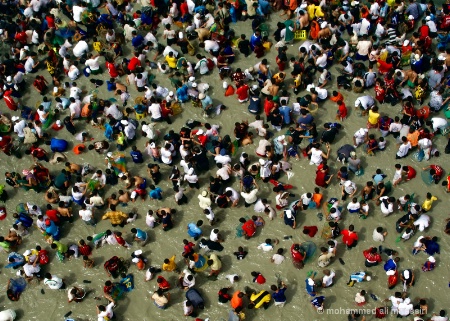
(387, 53)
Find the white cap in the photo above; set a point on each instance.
(205, 193)
(109, 154)
(180, 35)
(201, 96)
(15, 118)
(55, 89)
(262, 161)
(26, 253)
(428, 18)
(441, 57)
(323, 24)
(152, 145)
(9, 79)
(410, 17)
(197, 15)
(120, 175)
(26, 47)
(254, 87)
(194, 85)
(170, 93)
(406, 42)
(58, 123)
(432, 259)
(368, 278)
(138, 252)
(135, 260)
(352, 154)
(124, 122)
(199, 132)
(192, 78)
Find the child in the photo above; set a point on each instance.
(381, 143)
(87, 262)
(403, 149)
(372, 145)
(409, 172)
(364, 210)
(317, 197)
(360, 299)
(426, 206)
(155, 193)
(336, 97)
(407, 234)
(403, 202)
(429, 265)
(258, 277)
(240, 254)
(342, 111)
(398, 175)
(354, 206)
(209, 215)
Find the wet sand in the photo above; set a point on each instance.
(136, 305)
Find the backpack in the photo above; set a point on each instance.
(210, 64)
(112, 264)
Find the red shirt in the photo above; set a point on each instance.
(411, 173)
(188, 248)
(372, 257)
(380, 93)
(39, 151)
(202, 139)
(342, 110)
(349, 237)
(384, 66)
(112, 69)
(268, 105)
(312, 230)
(120, 240)
(320, 178)
(107, 289)
(85, 250)
(53, 215)
(249, 228)
(296, 256)
(163, 284)
(184, 8)
(439, 170)
(242, 92)
(50, 21)
(259, 279)
(134, 62)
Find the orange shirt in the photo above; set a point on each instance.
(78, 149)
(317, 198)
(413, 138)
(236, 301)
(337, 98)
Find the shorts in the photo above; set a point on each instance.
(280, 304)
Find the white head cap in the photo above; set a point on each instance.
(200, 132)
(9, 79)
(180, 35)
(428, 18)
(194, 85)
(368, 278)
(262, 161)
(323, 24)
(124, 122)
(170, 93)
(138, 252)
(192, 78)
(152, 145)
(109, 154)
(15, 118)
(135, 260)
(410, 17)
(432, 259)
(26, 253)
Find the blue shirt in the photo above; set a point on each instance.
(137, 41)
(111, 86)
(286, 112)
(194, 230)
(390, 265)
(358, 276)
(315, 301)
(140, 234)
(279, 296)
(309, 287)
(305, 120)
(156, 193)
(136, 156)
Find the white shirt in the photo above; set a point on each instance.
(422, 222)
(107, 313)
(321, 93)
(75, 109)
(230, 277)
(165, 156)
(29, 64)
(404, 149)
(265, 247)
(321, 61)
(328, 279)
(73, 72)
(80, 48)
(278, 258)
(75, 92)
(114, 111)
(395, 127)
(438, 123)
(93, 64)
(223, 173)
(377, 237)
(77, 11)
(235, 195)
(432, 26)
(353, 207)
(250, 198)
(155, 111)
(29, 269)
(54, 283)
(386, 210)
(86, 215)
(18, 128)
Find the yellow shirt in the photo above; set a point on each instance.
(171, 61)
(217, 265)
(260, 298)
(373, 117)
(97, 46)
(171, 266)
(428, 202)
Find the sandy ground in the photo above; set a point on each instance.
(137, 306)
